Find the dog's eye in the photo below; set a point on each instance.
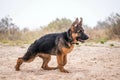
(81, 30)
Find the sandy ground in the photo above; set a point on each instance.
(85, 62)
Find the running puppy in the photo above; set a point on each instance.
(58, 44)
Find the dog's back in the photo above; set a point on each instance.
(44, 44)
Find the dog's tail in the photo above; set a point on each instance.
(31, 52)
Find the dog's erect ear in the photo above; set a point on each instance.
(80, 24)
(74, 24)
(81, 20)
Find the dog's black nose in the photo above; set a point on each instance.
(87, 37)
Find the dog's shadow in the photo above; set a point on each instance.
(39, 71)
(43, 72)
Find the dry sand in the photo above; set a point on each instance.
(85, 62)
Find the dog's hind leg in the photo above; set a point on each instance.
(23, 59)
(46, 59)
(19, 62)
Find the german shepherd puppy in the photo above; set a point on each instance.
(58, 44)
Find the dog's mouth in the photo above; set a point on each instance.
(79, 39)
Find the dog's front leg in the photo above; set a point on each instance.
(60, 60)
(64, 60)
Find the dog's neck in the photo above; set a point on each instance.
(69, 37)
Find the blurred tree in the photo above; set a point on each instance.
(110, 27)
(8, 30)
(7, 27)
(114, 24)
(25, 30)
(59, 25)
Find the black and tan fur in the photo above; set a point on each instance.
(58, 44)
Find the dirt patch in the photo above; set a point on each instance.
(86, 62)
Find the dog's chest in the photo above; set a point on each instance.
(67, 50)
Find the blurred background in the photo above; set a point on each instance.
(23, 21)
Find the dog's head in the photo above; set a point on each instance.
(77, 31)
